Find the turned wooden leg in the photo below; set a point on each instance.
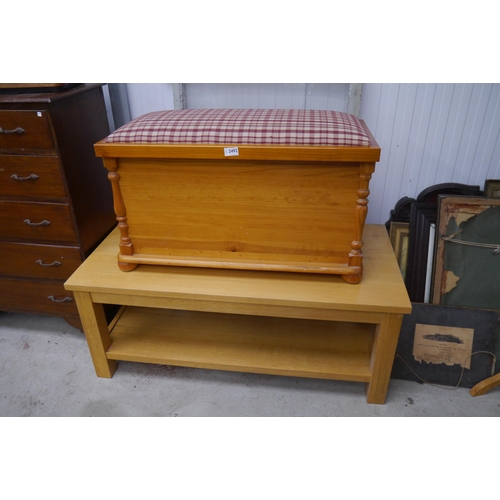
(352, 278)
(360, 212)
(125, 266)
(97, 334)
(126, 246)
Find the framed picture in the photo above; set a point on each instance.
(492, 188)
(446, 345)
(467, 256)
(399, 235)
(421, 251)
(468, 235)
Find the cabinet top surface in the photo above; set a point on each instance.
(12, 98)
(381, 289)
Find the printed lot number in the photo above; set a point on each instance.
(231, 152)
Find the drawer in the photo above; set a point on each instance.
(36, 222)
(38, 261)
(25, 130)
(36, 297)
(31, 176)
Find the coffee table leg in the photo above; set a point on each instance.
(96, 331)
(382, 359)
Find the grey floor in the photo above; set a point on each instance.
(46, 371)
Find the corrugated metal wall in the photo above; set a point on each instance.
(429, 133)
(332, 96)
(146, 97)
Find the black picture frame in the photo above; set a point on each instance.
(402, 209)
(422, 217)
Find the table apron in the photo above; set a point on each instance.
(282, 311)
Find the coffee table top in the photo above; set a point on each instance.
(381, 290)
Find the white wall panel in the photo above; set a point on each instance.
(489, 142)
(107, 103)
(430, 134)
(331, 96)
(147, 97)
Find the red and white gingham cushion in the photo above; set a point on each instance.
(244, 126)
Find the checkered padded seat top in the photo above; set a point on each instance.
(291, 127)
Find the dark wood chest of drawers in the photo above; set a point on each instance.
(56, 203)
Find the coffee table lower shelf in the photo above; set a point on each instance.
(254, 344)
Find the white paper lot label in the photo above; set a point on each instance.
(231, 152)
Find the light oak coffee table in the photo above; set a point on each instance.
(293, 324)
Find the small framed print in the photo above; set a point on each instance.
(399, 235)
(446, 345)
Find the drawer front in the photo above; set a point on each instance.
(36, 222)
(38, 261)
(34, 297)
(25, 130)
(31, 176)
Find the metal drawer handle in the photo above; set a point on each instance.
(55, 263)
(53, 299)
(32, 177)
(17, 130)
(33, 224)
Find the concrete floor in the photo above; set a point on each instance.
(46, 371)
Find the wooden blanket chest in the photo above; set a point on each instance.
(274, 190)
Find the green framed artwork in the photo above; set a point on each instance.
(467, 255)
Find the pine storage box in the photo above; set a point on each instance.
(274, 190)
